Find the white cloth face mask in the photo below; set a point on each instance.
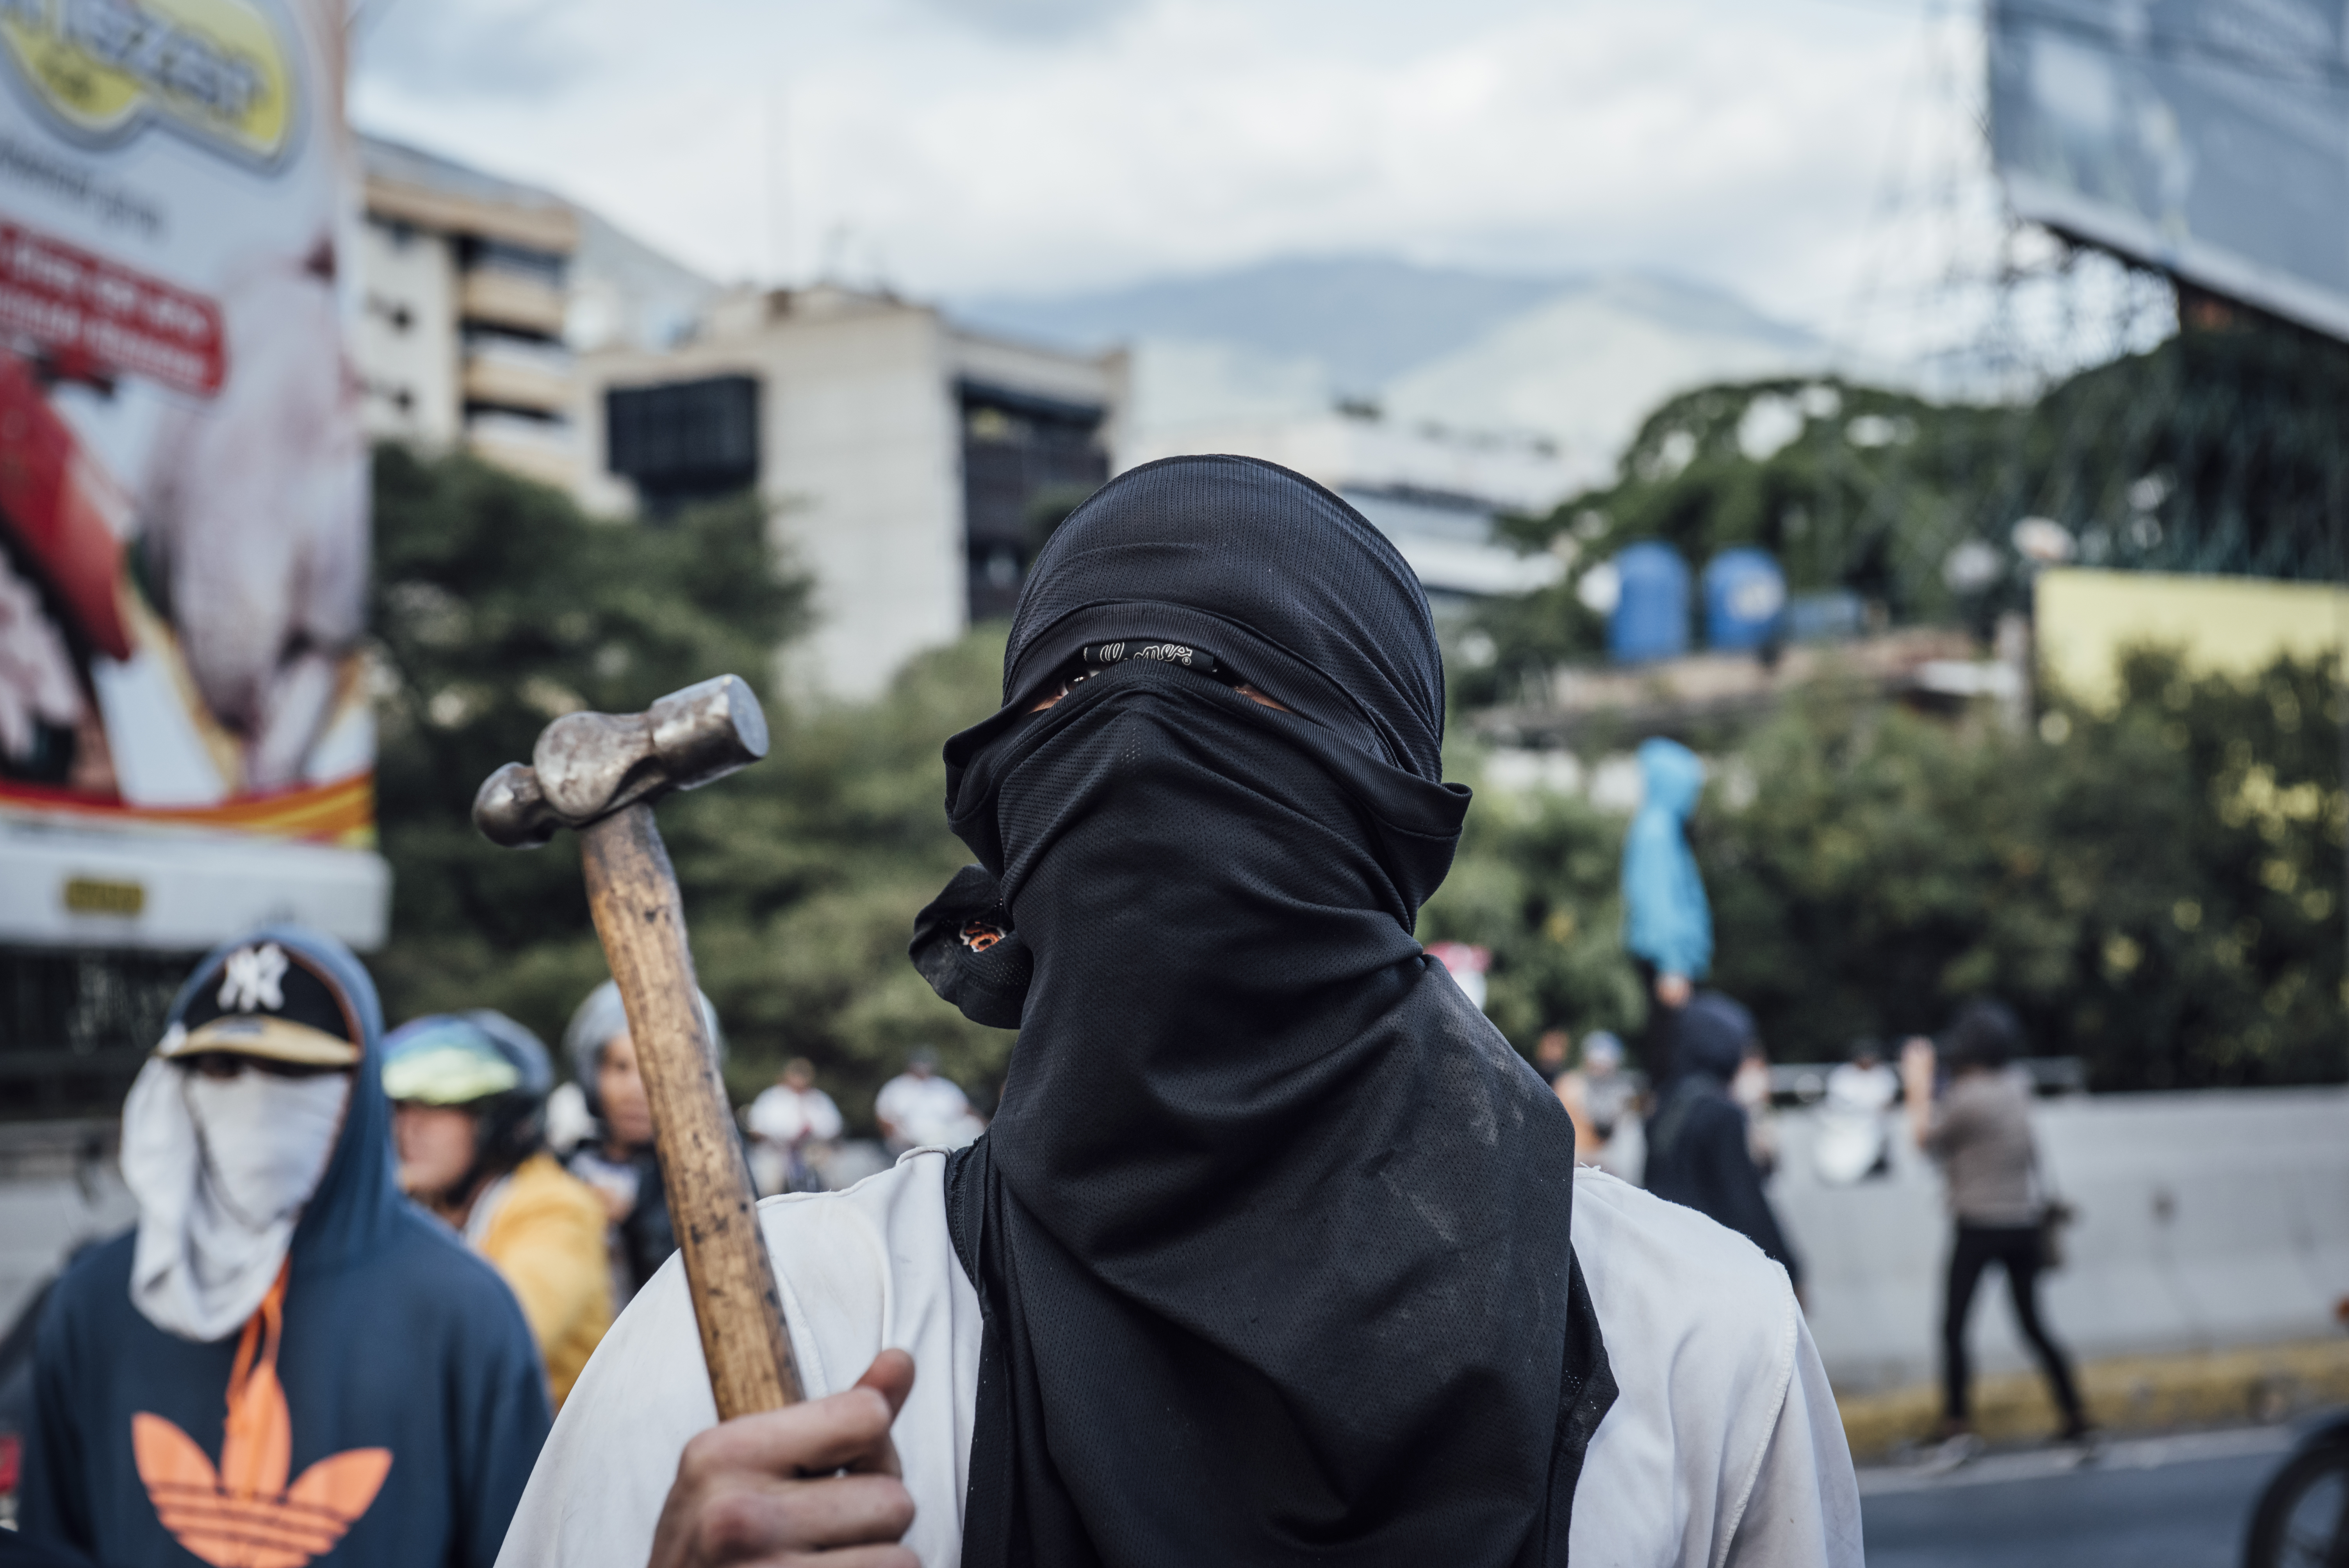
(266, 1139)
(222, 1169)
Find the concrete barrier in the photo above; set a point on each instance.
(2209, 1221)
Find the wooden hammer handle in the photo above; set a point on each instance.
(632, 894)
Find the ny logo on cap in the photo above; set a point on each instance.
(253, 979)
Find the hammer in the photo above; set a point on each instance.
(599, 774)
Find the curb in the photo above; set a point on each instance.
(2128, 1394)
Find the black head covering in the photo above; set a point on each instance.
(1712, 1036)
(1984, 1034)
(1271, 1226)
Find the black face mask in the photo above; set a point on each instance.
(1272, 1226)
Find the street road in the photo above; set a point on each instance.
(2148, 1502)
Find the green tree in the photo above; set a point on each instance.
(1535, 881)
(1850, 487)
(812, 879)
(2156, 885)
(2157, 888)
(2213, 451)
(500, 605)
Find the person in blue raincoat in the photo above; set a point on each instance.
(285, 1360)
(1667, 924)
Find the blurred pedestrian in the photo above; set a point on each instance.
(569, 1123)
(1667, 924)
(1863, 1083)
(791, 1119)
(1610, 1091)
(1698, 1150)
(1980, 1133)
(919, 1109)
(1596, 1092)
(468, 1097)
(1853, 1144)
(1552, 1051)
(278, 1302)
(618, 1159)
(1749, 1087)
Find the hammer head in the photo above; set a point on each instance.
(587, 766)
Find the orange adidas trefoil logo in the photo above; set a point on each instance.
(243, 1514)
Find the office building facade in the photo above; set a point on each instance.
(913, 467)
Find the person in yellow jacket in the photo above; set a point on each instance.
(468, 1097)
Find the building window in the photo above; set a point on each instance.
(1026, 461)
(395, 313)
(497, 255)
(65, 1021)
(683, 441)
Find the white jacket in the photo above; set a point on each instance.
(1723, 1448)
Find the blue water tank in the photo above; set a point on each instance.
(1745, 596)
(1650, 619)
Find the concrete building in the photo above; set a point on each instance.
(465, 296)
(478, 291)
(1435, 491)
(914, 466)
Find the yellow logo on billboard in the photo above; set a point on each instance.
(213, 69)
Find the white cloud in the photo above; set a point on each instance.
(1033, 19)
(1042, 144)
(473, 50)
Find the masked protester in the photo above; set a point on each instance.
(1700, 1143)
(1274, 1250)
(469, 1100)
(617, 1160)
(284, 1361)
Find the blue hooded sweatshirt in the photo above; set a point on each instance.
(1665, 918)
(407, 1380)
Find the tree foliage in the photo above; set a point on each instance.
(2157, 888)
(499, 605)
(2216, 450)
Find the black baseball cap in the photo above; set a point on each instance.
(265, 1000)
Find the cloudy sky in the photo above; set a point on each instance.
(960, 147)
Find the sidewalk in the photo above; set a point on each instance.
(2128, 1394)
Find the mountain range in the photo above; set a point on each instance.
(1575, 361)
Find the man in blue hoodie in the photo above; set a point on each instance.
(285, 1360)
(1667, 925)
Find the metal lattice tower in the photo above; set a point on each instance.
(2162, 431)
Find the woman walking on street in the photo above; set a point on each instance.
(1980, 1134)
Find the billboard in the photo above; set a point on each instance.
(2084, 621)
(2207, 138)
(185, 743)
